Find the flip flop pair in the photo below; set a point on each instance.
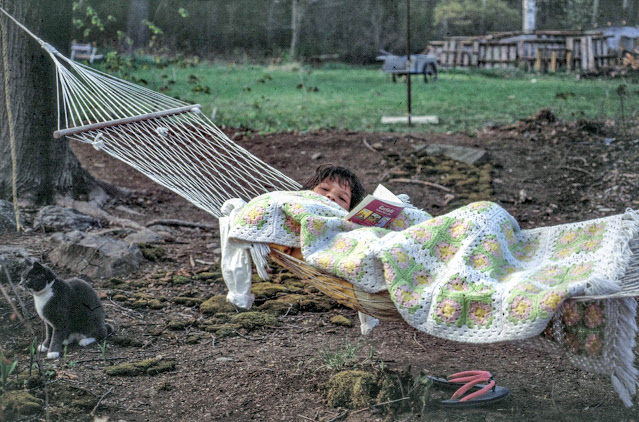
(474, 388)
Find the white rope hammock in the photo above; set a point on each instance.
(177, 146)
(168, 140)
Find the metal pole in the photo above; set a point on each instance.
(408, 63)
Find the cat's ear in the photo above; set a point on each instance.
(37, 265)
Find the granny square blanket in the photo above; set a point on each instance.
(473, 275)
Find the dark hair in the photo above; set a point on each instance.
(343, 176)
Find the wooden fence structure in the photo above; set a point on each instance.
(542, 51)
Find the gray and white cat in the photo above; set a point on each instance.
(71, 309)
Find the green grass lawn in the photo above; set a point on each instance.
(291, 98)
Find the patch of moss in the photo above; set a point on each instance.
(19, 402)
(155, 304)
(194, 339)
(181, 279)
(188, 301)
(124, 341)
(252, 320)
(341, 320)
(119, 298)
(158, 275)
(152, 252)
(177, 324)
(393, 386)
(351, 389)
(209, 276)
(287, 304)
(267, 290)
(317, 305)
(216, 304)
(152, 366)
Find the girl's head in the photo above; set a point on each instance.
(338, 184)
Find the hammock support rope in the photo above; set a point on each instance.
(170, 141)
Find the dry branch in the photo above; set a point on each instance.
(421, 182)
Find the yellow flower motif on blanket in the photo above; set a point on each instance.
(584, 327)
(444, 251)
(596, 229)
(579, 239)
(509, 232)
(316, 226)
(480, 313)
(458, 229)
(580, 271)
(350, 266)
(571, 315)
(479, 261)
(254, 215)
(422, 278)
(296, 209)
(594, 344)
(593, 316)
(292, 226)
(419, 235)
(567, 238)
(521, 308)
(342, 245)
(325, 261)
(551, 301)
(405, 297)
(480, 206)
(400, 223)
(448, 310)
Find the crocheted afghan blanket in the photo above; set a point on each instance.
(473, 275)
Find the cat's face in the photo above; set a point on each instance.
(37, 277)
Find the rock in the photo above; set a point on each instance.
(53, 218)
(466, 155)
(144, 236)
(8, 217)
(94, 255)
(16, 261)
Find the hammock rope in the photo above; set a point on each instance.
(170, 141)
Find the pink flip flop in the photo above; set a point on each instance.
(481, 385)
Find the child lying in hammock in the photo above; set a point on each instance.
(338, 184)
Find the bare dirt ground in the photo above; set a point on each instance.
(201, 363)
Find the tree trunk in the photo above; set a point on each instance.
(297, 10)
(595, 13)
(45, 166)
(529, 12)
(137, 32)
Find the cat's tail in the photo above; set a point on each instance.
(109, 329)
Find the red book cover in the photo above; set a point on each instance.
(377, 212)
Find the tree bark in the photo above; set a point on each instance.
(529, 11)
(137, 32)
(45, 167)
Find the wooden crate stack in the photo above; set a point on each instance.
(543, 51)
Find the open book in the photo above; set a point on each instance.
(378, 209)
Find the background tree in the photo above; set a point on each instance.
(136, 31)
(46, 167)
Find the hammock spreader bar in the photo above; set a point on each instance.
(111, 123)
